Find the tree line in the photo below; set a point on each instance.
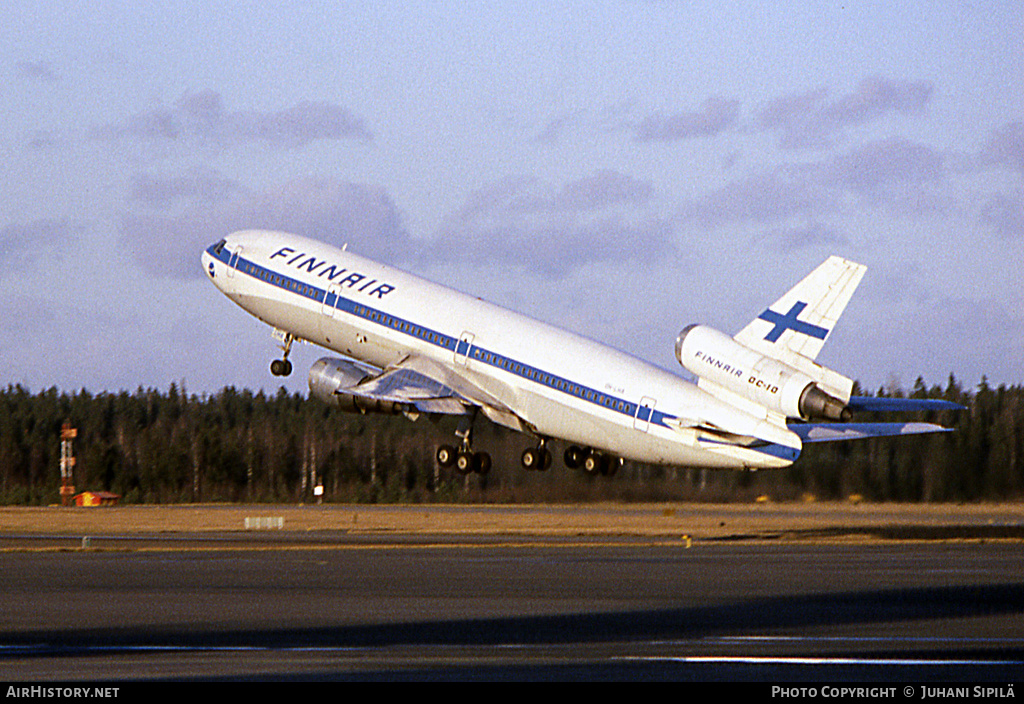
(154, 446)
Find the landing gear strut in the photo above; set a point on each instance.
(282, 367)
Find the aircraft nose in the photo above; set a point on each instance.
(209, 263)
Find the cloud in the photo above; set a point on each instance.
(157, 124)
(1005, 147)
(605, 189)
(202, 185)
(302, 123)
(329, 210)
(764, 197)
(201, 117)
(882, 163)
(715, 115)
(1005, 214)
(553, 130)
(24, 243)
(40, 139)
(876, 96)
(603, 217)
(879, 172)
(40, 71)
(811, 234)
(811, 120)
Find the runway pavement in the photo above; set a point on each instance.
(351, 605)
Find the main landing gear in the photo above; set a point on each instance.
(594, 463)
(282, 367)
(464, 459)
(536, 458)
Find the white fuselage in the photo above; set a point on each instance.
(563, 385)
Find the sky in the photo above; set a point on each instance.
(620, 169)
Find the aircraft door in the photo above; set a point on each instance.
(644, 413)
(233, 259)
(328, 308)
(462, 348)
(330, 303)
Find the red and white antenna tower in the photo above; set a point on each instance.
(67, 463)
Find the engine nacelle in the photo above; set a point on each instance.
(716, 357)
(328, 379)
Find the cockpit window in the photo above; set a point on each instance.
(219, 247)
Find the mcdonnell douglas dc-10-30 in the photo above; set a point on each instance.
(409, 346)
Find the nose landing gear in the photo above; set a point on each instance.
(282, 367)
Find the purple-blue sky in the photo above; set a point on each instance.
(618, 168)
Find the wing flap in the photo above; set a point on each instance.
(432, 387)
(402, 385)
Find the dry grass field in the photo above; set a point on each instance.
(796, 521)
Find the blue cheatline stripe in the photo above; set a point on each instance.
(447, 342)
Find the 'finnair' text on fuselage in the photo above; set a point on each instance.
(311, 264)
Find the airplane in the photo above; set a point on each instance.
(410, 346)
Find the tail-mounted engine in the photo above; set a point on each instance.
(718, 358)
(329, 378)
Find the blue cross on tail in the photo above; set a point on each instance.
(789, 321)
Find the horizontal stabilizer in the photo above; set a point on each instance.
(833, 432)
(883, 405)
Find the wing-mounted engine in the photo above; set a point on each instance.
(330, 378)
(770, 383)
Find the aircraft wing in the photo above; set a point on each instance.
(834, 432)
(430, 387)
(408, 386)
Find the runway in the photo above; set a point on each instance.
(358, 606)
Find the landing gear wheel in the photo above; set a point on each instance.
(445, 455)
(531, 458)
(481, 463)
(464, 462)
(573, 457)
(280, 367)
(595, 463)
(536, 458)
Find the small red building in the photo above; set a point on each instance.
(96, 498)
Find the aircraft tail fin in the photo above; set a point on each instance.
(794, 328)
(800, 322)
